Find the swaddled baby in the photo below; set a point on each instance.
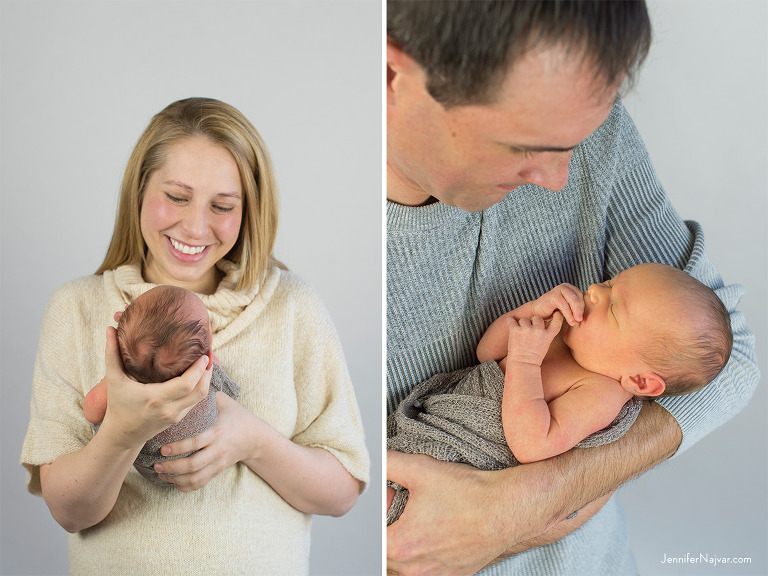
(160, 335)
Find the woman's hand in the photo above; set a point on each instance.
(136, 412)
(81, 488)
(224, 444)
(309, 478)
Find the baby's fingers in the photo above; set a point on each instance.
(573, 309)
(556, 322)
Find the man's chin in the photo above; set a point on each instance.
(474, 203)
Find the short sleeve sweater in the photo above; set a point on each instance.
(278, 343)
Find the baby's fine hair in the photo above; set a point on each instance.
(690, 359)
(158, 338)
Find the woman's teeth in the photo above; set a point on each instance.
(186, 249)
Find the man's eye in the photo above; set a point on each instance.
(521, 152)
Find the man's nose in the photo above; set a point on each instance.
(548, 170)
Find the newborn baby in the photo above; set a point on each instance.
(160, 335)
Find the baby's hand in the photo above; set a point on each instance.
(118, 314)
(567, 298)
(529, 339)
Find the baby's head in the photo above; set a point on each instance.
(654, 328)
(162, 333)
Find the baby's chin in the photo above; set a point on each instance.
(566, 331)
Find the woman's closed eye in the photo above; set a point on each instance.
(175, 199)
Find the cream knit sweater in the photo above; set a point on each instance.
(277, 342)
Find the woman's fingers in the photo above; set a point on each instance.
(114, 363)
(184, 391)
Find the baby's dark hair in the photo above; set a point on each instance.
(689, 360)
(158, 337)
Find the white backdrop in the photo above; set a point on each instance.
(80, 81)
(700, 105)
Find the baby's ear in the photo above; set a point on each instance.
(646, 384)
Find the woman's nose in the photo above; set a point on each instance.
(195, 222)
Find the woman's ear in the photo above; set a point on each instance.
(647, 384)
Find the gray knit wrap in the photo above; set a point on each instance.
(198, 419)
(456, 417)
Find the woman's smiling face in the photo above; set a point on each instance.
(191, 213)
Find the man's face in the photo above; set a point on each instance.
(472, 156)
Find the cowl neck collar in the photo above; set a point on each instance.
(226, 306)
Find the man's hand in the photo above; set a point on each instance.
(441, 532)
(459, 519)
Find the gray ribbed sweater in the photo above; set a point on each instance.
(451, 273)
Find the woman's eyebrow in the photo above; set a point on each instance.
(191, 189)
(179, 184)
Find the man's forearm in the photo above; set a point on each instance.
(558, 531)
(506, 511)
(584, 475)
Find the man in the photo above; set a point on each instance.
(512, 168)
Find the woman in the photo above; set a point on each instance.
(198, 210)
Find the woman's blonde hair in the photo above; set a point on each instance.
(224, 125)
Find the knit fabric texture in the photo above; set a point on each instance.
(456, 417)
(450, 273)
(278, 343)
(198, 419)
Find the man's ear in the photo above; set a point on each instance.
(645, 384)
(399, 65)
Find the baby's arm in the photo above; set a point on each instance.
(95, 403)
(566, 297)
(537, 430)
